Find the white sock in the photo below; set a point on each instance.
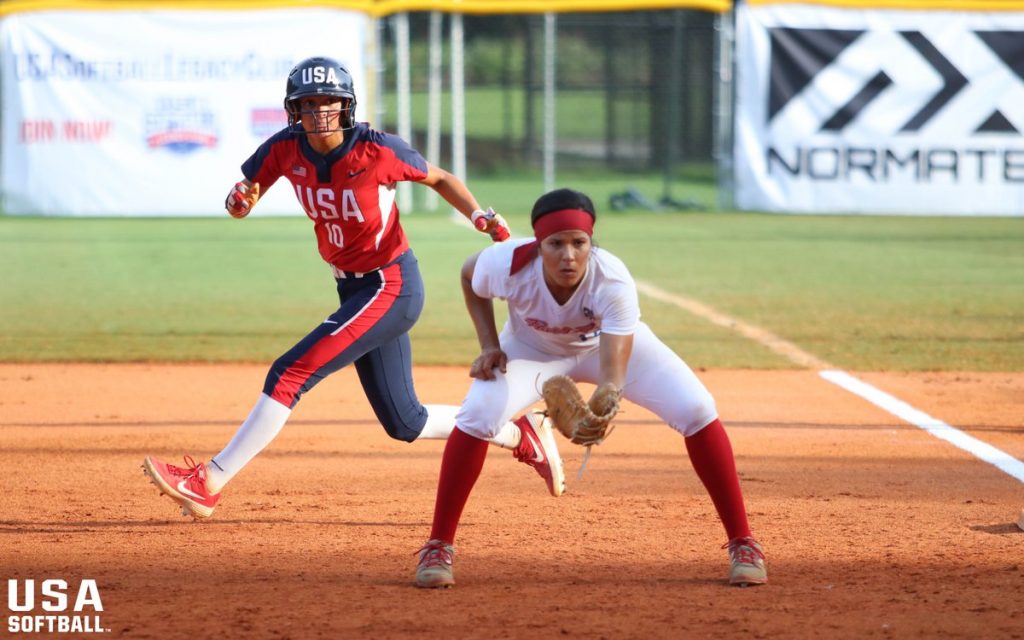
(265, 421)
(441, 422)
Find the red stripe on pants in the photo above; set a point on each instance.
(332, 345)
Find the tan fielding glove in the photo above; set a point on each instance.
(585, 424)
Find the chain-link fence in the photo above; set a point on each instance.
(635, 90)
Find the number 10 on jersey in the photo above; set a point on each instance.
(334, 235)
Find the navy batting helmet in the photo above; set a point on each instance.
(320, 77)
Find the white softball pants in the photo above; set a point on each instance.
(656, 379)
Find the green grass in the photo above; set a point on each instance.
(865, 293)
(599, 187)
(514, 193)
(490, 113)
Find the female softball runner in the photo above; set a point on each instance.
(344, 176)
(573, 310)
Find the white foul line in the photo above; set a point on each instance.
(981, 450)
(922, 420)
(782, 347)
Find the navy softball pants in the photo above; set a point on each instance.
(370, 329)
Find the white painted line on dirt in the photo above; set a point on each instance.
(922, 420)
(782, 347)
(983, 451)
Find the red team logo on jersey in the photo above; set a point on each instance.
(540, 325)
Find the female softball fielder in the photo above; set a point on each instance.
(344, 174)
(573, 310)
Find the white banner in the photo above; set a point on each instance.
(114, 113)
(879, 111)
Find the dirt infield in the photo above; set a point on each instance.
(873, 528)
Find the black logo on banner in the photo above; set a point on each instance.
(798, 56)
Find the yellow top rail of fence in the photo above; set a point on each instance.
(372, 7)
(484, 7)
(544, 6)
(918, 5)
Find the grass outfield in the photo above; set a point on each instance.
(482, 103)
(865, 293)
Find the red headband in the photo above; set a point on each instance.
(563, 220)
(553, 222)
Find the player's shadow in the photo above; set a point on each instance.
(998, 529)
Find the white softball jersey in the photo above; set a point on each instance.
(543, 338)
(605, 302)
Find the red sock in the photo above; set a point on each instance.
(461, 464)
(711, 457)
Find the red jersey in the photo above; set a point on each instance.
(349, 194)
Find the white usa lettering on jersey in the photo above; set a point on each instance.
(323, 204)
(605, 302)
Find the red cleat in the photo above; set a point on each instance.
(539, 450)
(186, 486)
